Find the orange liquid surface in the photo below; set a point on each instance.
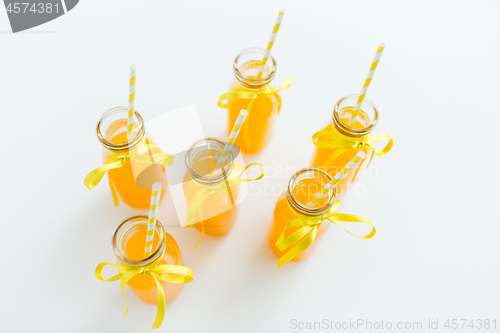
(321, 156)
(219, 211)
(256, 133)
(123, 178)
(144, 285)
(303, 192)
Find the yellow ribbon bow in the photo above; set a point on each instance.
(167, 273)
(143, 154)
(253, 96)
(309, 226)
(345, 144)
(201, 196)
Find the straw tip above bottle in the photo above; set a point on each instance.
(282, 11)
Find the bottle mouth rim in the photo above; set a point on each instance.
(348, 130)
(120, 146)
(118, 240)
(192, 154)
(303, 209)
(253, 82)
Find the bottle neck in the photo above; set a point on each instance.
(111, 131)
(303, 186)
(124, 233)
(366, 120)
(202, 158)
(246, 68)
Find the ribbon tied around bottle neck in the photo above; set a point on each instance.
(143, 154)
(253, 95)
(268, 90)
(196, 205)
(309, 226)
(335, 139)
(166, 273)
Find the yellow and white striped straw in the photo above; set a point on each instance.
(232, 137)
(368, 80)
(153, 212)
(131, 101)
(338, 177)
(270, 44)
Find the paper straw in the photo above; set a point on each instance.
(351, 165)
(153, 211)
(131, 101)
(368, 80)
(270, 44)
(230, 141)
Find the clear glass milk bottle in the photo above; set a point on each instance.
(256, 95)
(128, 243)
(338, 143)
(219, 211)
(302, 187)
(132, 179)
(299, 224)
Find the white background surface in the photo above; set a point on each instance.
(433, 198)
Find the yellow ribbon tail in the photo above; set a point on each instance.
(160, 311)
(339, 217)
(245, 130)
(126, 277)
(202, 232)
(113, 192)
(298, 249)
(355, 176)
(283, 243)
(95, 176)
(382, 137)
(123, 274)
(286, 85)
(309, 228)
(331, 159)
(167, 273)
(196, 205)
(115, 162)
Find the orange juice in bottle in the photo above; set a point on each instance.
(129, 242)
(302, 187)
(257, 129)
(219, 211)
(324, 158)
(133, 180)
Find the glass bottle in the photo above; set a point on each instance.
(366, 121)
(133, 180)
(302, 187)
(258, 127)
(219, 211)
(128, 243)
